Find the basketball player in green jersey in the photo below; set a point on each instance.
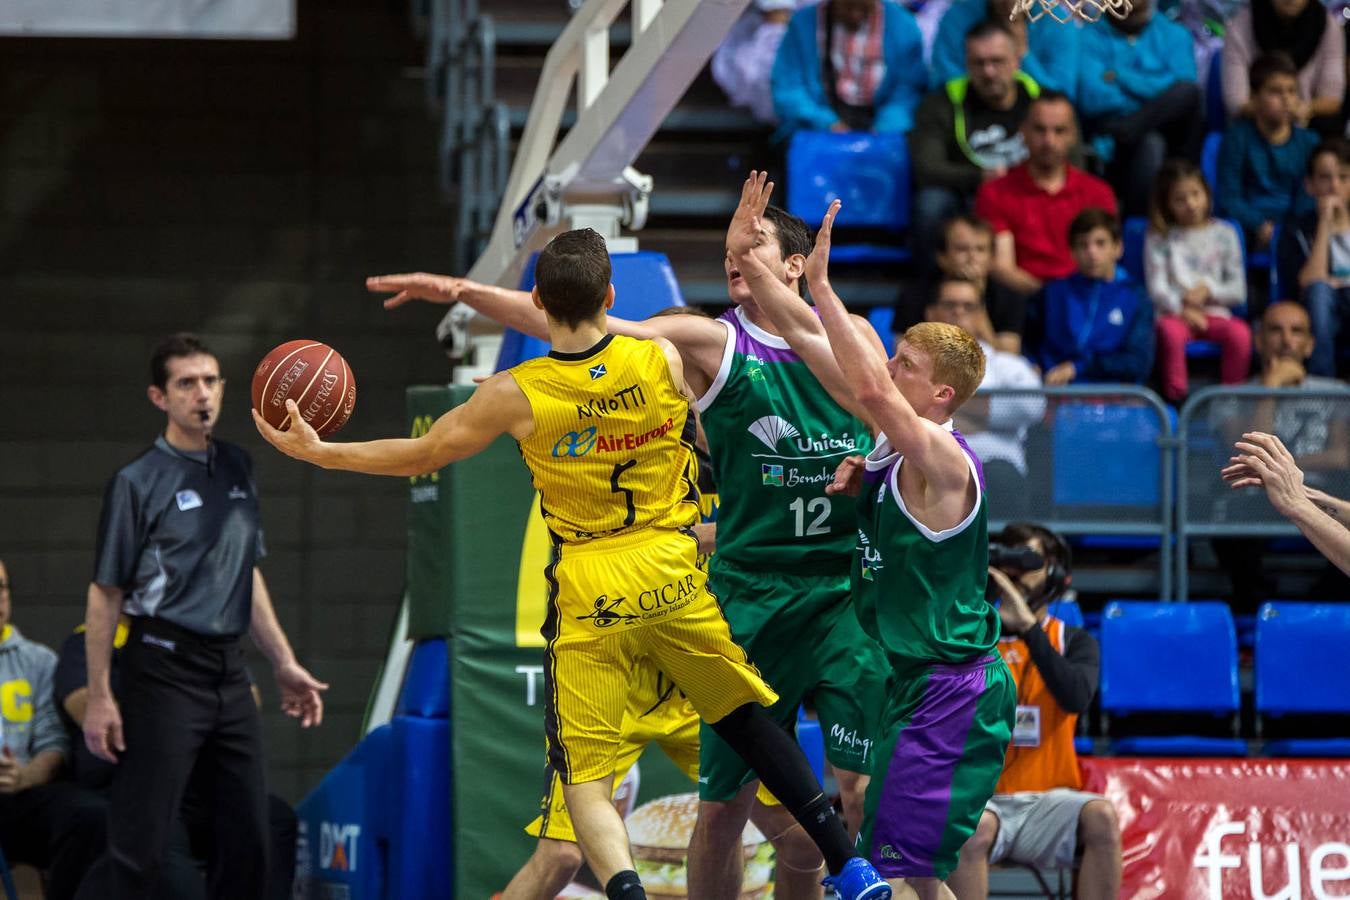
(920, 570)
(784, 546)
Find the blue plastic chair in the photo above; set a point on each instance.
(812, 741)
(644, 283)
(1067, 611)
(1176, 658)
(7, 879)
(1209, 159)
(869, 172)
(1105, 454)
(1301, 670)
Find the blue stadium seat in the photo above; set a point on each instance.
(644, 283)
(1106, 454)
(1301, 670)
(1084, 745)
(1209, 159)
(812, 741)
(883, 320)
(868, 172)
(1067, 611)
(1171, 658)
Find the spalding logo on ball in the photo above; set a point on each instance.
(312, 374)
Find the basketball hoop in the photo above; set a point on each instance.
(1063, 11)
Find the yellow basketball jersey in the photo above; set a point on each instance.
(612, 448)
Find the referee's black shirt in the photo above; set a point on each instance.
(179, 536)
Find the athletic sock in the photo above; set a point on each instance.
(780, 764)
(625, 886)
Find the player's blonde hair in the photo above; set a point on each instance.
(957, 358)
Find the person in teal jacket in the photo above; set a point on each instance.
(1138, 98)
(875, 91)
(1051, 49)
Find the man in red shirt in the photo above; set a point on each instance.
(1031, 207)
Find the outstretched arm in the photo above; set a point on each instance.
(1263, 461)
(924, 444)
(795, 320)
(497, 407)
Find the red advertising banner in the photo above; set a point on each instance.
(1222, 829)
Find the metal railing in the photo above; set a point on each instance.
(1081, 460)
(461, 58)
(1313, 423)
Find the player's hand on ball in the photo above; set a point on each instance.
(847, 477)
(444, 289)
(299, 440)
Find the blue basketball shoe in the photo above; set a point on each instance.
(857, 880)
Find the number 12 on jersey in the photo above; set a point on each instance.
(818, 506)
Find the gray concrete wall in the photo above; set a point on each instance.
(243, 191)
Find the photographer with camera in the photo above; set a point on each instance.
(1039, 815)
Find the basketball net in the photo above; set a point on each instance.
(1063, 11)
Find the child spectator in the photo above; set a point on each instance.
(1314, 252)
(849, 65)
(1194, 271)
(1094, 325)
(1308, 33)
(1262, 157)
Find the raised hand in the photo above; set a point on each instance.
(745, 228)
(818, 263)
(1263, 460)
(444, 289)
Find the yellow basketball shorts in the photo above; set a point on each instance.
(611, 602)
(657, 713)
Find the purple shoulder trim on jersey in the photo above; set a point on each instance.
(746, 344)
(979, 466)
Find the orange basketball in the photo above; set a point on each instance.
(312, 374)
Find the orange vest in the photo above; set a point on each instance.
(1053, 764)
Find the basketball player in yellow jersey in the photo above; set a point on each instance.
(602, 424)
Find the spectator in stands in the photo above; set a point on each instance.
(1095, 325)
(743, 61)
(1031, 207)
(1195, 274)
(1039, 814)
(995, 427)
(968, 131)
(1263, 158)
(871, 76)
(1262, 461)
(54, 825)
(180, 875)
(1307, 33)
(1138, 97)
(1313, 256)
(1048, 51)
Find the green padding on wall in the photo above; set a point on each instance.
(465, 526)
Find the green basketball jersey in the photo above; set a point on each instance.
(921, 593)
(776, 437)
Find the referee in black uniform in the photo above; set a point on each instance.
(177, 544)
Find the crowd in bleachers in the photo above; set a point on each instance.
(1123, 216)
